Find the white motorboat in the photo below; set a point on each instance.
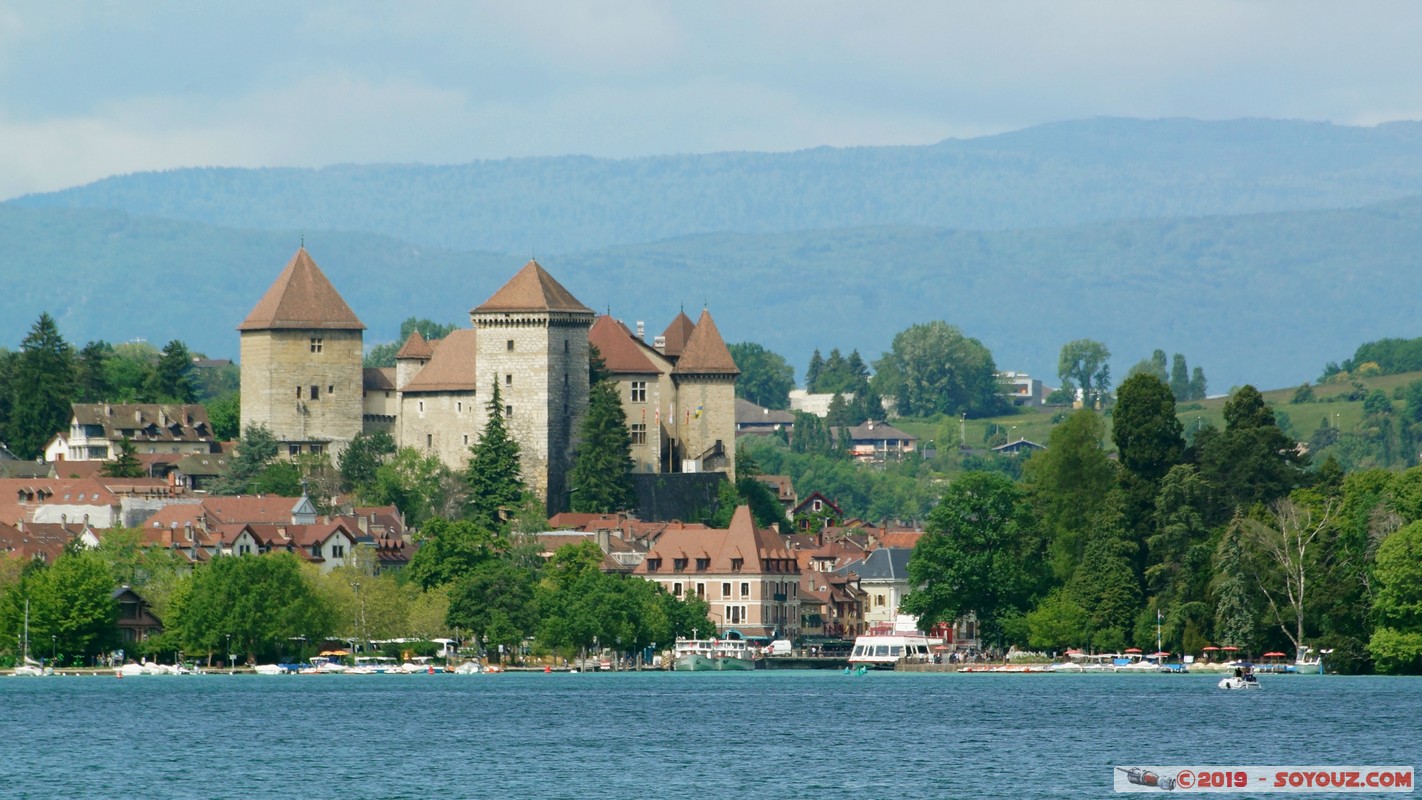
(884, 650)
(1240, 682)
(269, 669)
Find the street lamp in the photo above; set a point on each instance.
(229, 654)
(53, 648)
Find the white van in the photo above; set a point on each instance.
(779, 647)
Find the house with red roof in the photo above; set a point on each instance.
(746, 574)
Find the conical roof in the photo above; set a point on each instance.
(301, 298)
(416, 347)
(677, 333)
(533, 289)
(705, 351)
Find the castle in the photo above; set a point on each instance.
(302, 378)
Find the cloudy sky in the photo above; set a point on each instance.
(90, 89)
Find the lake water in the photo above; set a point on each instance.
(766, 734)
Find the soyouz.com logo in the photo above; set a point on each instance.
(1261, 780)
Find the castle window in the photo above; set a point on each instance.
(639, 391)
(508, 379)
(293, 449)
(330, 389)
(565, 345)
(422, 406)
(315, 449)
(315, 344)
(315, 392)
(298, 393)
(459, 408)
(509, 345)
(508, 411)
(466, 439)
(429, 441)
(639, 433)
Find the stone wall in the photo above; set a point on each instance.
(279, 369)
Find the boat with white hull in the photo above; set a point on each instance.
(712, 655)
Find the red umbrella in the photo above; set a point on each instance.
(1273, 655)
(1211, 647)
(1133, 649)
(1230, 648)
(1161, 654)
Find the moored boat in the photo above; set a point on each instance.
(886, 650)
(712, 655)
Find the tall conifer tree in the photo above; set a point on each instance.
(602, 468)
(43, 388)
(496, 487)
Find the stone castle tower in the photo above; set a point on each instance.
(301, 355)
(532, 341)
(705, 376)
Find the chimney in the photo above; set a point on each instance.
(641, 331)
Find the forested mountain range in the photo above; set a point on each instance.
(1264, 298)
(1062, 174)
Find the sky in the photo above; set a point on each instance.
(92, 89)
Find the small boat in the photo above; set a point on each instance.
(29, 668)
(468, 668)
(712, 655)
(1245, 681)
(269, 669)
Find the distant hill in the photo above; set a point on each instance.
(1062, 174)
(1265, 299)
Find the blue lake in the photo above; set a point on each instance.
(695, 735)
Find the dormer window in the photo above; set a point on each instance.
(737, 563)
(654, 564)
(679, 564)
(703, 564)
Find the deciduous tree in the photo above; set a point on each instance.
(933, 368)
(766, 377)
(1085, 365)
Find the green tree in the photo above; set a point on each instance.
(1236, 614)
(496, 487)
(573, 598)
(766, 377)
(933, 368)
(451, 549)
(495, 601)
(981, 553)
(1197, 384)
(225, 416)
(1149, 441)
(91, 373)
(1085, 364)
(1058, 622)
(172, 381)
(363, 457)
(256, 451)
(70, 600)
(130, 370)
(42, 389)
(812, 372)
(126, 465)
(1068, 483)
(1396, 643)
(262, 602)
(1105, 583)
(1180, 546)
(419, 485)
(1252, 460)
(602, 466)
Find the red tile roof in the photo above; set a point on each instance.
(705, 351)
(620, 350)
(301, 298)
(452, 367)
(533, 289)
(416, 347)
(676, 334)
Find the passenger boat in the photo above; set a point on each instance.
(885, 650)
(711, 655)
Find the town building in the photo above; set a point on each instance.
(747, 575)
(879, 442)
(97, 429)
